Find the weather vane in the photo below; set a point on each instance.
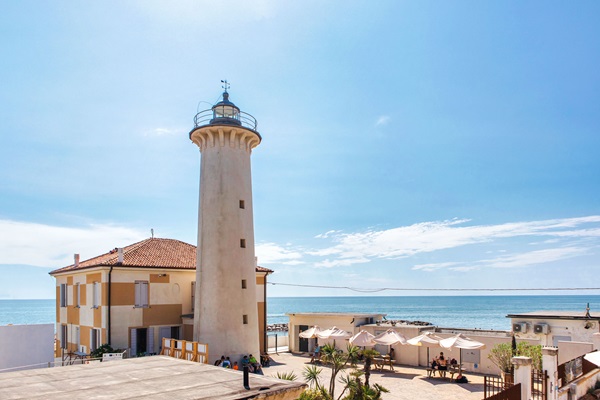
(226, 85)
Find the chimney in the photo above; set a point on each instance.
(120, 256)
(76, 257)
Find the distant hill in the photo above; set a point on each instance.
(26, 282)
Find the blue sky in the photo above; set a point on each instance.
(417, 145)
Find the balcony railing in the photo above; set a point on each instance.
(208, 117)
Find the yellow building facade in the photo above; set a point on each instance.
(132, 297)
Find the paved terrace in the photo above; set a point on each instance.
(161, 377)
(405, 383)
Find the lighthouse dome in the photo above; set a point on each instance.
(225, 112)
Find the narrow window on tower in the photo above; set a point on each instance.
(245, 319)
(243, 284)
(193, 295)
(243, 243)
(242, 204)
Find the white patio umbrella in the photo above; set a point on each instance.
(389, 338)
(427, 339)
(362, 338)
(310, 332)
(334, 333)
(460, 341)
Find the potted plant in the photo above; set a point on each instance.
(501, 356)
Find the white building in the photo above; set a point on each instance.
(552, 327)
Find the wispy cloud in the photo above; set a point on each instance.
(434, 266)
(164, 132)
(54, 246)
(535, 257)
(425, 237)
(382, 120)
(516, 260)
(271, 253)
(326, 234)
(341, 262)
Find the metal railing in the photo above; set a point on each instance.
(495, 385)
(573, 369)
(539, 385)
(207, 117)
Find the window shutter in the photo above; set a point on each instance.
(145, 294)
(133, 349)
(63, 337)
(150, 341)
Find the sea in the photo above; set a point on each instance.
(473, 312)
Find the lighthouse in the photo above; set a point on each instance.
(225, 312)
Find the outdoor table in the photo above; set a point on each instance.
(380, 362)
(76, 355)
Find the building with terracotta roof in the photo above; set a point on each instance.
(132, 297)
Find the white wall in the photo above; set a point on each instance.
(282, 341)
(581, 384)
(27, 346)
(559, 330)
(570, 350)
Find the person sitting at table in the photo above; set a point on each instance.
(443, 366)
(453, 361)
(434, 366)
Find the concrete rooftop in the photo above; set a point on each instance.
(157, 377)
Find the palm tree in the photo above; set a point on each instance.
(359, 391)
(369, 355)
(312, 376)
(336, 361)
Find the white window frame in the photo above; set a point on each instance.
(63, 295)
(77, 295)
(96, 295)
(77, 338)
(142, 294)
(94, 339)
(64, 337)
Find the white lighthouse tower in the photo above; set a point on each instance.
(225, 314)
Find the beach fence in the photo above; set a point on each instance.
(185, 350)
(277, 342)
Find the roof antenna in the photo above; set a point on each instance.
(226, 85)
(152, 232)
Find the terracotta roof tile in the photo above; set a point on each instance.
(149, 253)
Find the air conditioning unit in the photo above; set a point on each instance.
(520, 327)
(541, 328)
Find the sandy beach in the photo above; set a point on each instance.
(405, 383)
